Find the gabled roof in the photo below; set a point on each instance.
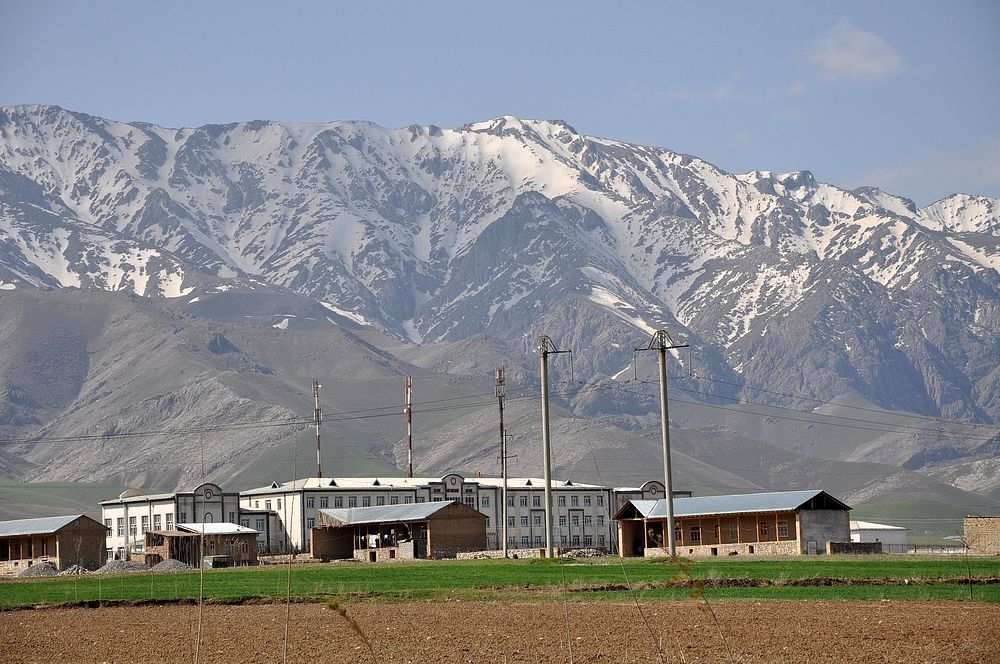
(353, 516)
(215, 528)
(775, 501)
(41, 526)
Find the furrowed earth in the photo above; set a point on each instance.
(508, 632)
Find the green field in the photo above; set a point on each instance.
(826, 577)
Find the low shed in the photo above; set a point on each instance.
(64, 541)
(774, 523)
(224, 543)
(441, 529)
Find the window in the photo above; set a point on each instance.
(576, 540)
(536, 501)
(782, 529)
(145, 523)
(588, 520)
(393, 500)
(170, 520)
(734, 532)
(524, 522)
(380, 500)
(245, 523)
(407, 500)
(563, 540)
(510, 521)
(695, 534)
(366, 501)
(338, 501)
(562, 520)
(524, 540)
(256, 504)
(279, 503)
(600, 521)
(352, 501)
(310, 522)
(562, 501)
(267, 504)
(324, 501)
(470, 501)
(421, 499)
(588, 540)
(536, 521)
(586, 501)
(121, 527)
(107, 524)
(600, 501)
(600, 541)
(260, 525)
(538, 540)
(437, 499)
(310, 501)
(524, 501)
(575, 501)
(762, 529)
(510, 501)
(484, 501)
(678, 533)
(131, 526)
(511, 541)
(232, 517)
(576, 519)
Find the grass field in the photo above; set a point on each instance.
(826, 577)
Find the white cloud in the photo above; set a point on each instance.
(848, 52)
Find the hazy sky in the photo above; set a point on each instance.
(904, 95)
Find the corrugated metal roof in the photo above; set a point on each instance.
(40, 526)
(216, 528)
(352, 516)
(775, 501)
(868, 525)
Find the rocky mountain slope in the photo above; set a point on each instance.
(448, 251)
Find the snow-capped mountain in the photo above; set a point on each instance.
(786, 288)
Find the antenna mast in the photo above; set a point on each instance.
(501, 395)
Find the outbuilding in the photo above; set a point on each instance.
(226, 544)
(774, 523)
(64, 541)
(440, 529)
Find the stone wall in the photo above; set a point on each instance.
(982, 534)
(854, 548)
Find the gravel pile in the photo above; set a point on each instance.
(585, 553)
(38, 569)
(122, 567)
(74, 570)
(170, 565)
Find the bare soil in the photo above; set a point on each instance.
(554, 631)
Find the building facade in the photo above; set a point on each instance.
(581, 513)
(132, 514)
(63, 541)
(775, 523)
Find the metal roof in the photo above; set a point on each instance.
(405, 483)
(41, 526)
(775, 501)
(216, 528)
(352, 516)
(868, 525)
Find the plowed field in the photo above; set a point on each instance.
(591, 632)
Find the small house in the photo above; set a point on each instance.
(64, 541)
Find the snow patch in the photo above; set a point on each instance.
(350, 315)
(283, 325)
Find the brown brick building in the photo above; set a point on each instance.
(64, 541)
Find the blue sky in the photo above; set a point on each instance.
(901, 95)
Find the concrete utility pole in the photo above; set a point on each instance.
(501, 395)
(317, 418)
(660, 338)
(408, 410)
(546, 347)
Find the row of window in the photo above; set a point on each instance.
(484, 501)
(575, 520)
(564, 541)
(734, 532)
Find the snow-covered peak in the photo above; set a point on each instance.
(962, 213)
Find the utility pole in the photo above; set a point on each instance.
(317, 418)
(546, 347)
(501, 395)
(408, 410)
(660, 338)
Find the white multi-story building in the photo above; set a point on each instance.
(581, 513)
(129, 516)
